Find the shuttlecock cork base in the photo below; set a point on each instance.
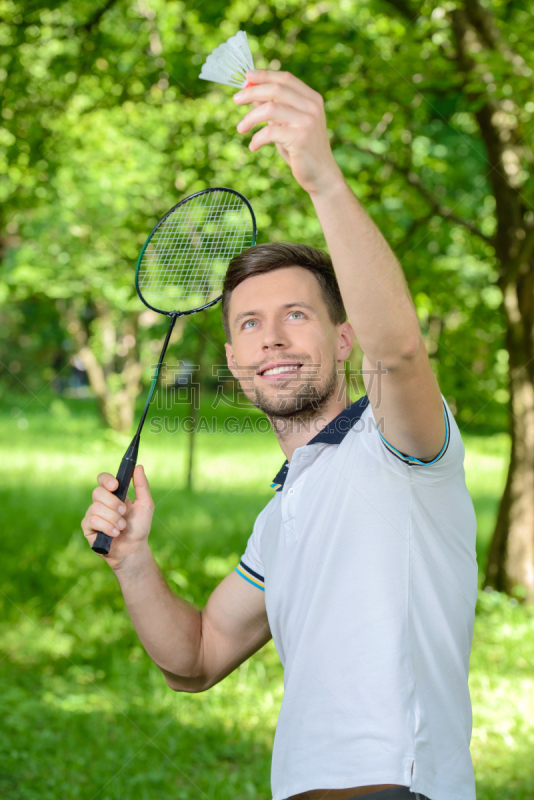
(229, 62)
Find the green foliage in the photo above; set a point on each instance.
(85, 711)
(486, 465)
(502, 691)
(106, 125)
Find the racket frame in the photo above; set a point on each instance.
(102, 543)
(162, 220)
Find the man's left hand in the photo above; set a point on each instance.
(296, 124)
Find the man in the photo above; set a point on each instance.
(362, 567)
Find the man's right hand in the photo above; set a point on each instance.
(194, 649)
(128, 522)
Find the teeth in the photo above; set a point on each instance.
(278, 370)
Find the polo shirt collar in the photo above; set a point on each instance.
(333, 433)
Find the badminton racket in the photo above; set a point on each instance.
(181, 270)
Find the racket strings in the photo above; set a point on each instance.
(167, 242)
(182, 251)
(185, 260)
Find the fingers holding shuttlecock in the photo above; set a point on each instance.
(229, 62)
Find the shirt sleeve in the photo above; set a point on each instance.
(448, 461)
(251, 567)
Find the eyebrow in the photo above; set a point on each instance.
(300, 303)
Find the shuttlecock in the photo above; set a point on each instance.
(229, 62)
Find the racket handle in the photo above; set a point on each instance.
(102, 543)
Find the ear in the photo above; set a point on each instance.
(230, 358)
(345, 341)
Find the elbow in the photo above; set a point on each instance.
(404, 351)
(195, 682)
(194, 679)
(411, 347)
(189, 685)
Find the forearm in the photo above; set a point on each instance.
(168, 627)
(370, 278)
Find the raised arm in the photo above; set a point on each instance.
(194, 649)
(373, 287)
(399, 381)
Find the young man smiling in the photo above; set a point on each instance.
(362, 567)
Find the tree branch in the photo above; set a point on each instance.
(509, 218)
(93, 22)
(443, 210)
(483, 22)
(405, 8)
(412, 227)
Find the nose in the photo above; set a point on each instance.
(274, 336)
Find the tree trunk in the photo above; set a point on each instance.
(511, 555)
(195, 405)
(115, 377)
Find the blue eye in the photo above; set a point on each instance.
(251, 321)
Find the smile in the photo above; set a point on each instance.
(279, 369)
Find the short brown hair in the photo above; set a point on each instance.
(276, 255)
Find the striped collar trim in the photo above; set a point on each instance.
(333, 433)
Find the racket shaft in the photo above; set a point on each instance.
(102, 543)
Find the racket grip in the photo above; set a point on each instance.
(102, 543)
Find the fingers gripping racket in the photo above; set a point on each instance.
(181, 270)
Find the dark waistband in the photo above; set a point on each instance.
(396, 793)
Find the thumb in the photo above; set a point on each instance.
(142, 489)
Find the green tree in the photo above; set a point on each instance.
(429, 107)
(471, 65)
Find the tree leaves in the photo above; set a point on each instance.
(112, 126)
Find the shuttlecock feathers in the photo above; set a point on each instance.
(229, 62)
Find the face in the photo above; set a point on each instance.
(285, 350)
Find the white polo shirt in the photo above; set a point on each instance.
(367, 559)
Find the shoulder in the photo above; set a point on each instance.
(266, 511)
(446, 463)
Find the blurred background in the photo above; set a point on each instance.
(104, 126)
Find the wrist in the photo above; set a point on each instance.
(331, 182)
(136, 563)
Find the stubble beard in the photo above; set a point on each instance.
(303, 406)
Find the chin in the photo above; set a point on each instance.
(302, 403)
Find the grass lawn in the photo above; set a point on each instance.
(87, 715)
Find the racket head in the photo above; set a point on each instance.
(182, 264)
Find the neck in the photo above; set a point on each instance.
(294, 432)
